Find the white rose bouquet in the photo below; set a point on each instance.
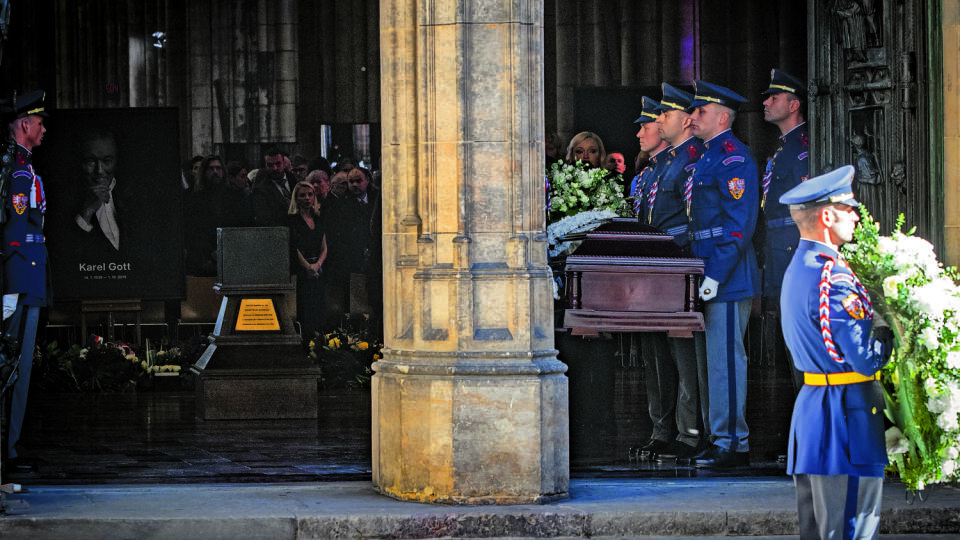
(920, 300)
(576, 188)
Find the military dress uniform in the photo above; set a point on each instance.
(669, 213)
(836, 433)
(660, 380)
(647, 185)
(675, 397)
(24, 267)
(649, 176)
(723, 206)
(788, 168)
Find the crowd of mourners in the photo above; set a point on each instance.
(332, 213)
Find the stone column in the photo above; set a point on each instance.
(469, 401)
(951, 131)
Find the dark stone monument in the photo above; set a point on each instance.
(255, 366)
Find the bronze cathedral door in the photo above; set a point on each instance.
(875, 103)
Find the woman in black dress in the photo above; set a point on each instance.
(308, 246)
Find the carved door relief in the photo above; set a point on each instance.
(869, 98)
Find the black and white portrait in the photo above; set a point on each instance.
(114, 226)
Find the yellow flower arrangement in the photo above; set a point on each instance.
(345, 354)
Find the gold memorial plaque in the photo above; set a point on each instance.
(257, 314)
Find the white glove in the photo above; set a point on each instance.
(708, 289)
(9, 305)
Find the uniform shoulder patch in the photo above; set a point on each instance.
(736, 187)
(729, 146)
(840, 277)
(853, 305)
(733, 159)
(804, 139)
(692, 152)
(19, 202)
(802, 155)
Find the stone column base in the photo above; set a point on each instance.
(441, 431)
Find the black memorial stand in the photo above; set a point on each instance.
(255, 366)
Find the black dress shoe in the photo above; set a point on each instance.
(723, 459)
(653, 448)
(705, 453)
(19, 467)
(676, 450)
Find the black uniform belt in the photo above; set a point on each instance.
(833, 379)
(780, 222)
(34, 239)
(707, 233)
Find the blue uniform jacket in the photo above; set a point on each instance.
(669, 208)
(788, 168)
(835, 429)
(640, 186)
(24, 250)
(723, 213)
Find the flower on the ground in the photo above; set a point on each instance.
(346, 354)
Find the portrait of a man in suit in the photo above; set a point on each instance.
(119, 219)
(98, 213)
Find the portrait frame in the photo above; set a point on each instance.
(144, 260)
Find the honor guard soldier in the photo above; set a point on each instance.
(837, 452)
(669, 213)
(723, 200)
(788, 167)
(673, 390)
(651, 143)
(661, 394)
(25, 277)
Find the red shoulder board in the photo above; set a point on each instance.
(729, 146)
(692, 151)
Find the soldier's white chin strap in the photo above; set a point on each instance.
(9, 305)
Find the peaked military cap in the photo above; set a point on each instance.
(781, 81)
(674, 99)
(712, 93)
(649, 113)
(27, 104)
(834, 187)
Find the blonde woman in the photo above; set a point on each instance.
(587, 147)
(308, 250)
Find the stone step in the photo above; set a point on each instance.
(604, 508)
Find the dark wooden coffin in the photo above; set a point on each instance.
(628, 277)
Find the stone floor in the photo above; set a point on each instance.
(155, 437)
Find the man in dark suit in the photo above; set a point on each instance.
(99, 213)
(25, 288)
(353, 230)
(271, 196)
